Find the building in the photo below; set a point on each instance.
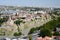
(45, 38)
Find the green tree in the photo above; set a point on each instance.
(58, 19)
(30, 37)
(1, 21)
(17, 22)
(45, 32)
(55, 12)
(51, 25)
(5, 19)
(56, 33)
(17, 34)
(32, 30)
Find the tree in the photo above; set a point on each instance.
(50, 25)
(5, 19)
(55, 12)
(58, 19)
(56, 33)
(30, 37)
(17, 34)
(32, 30)
(1, 21)
(17, 22)
(45, 32)
(54, 29)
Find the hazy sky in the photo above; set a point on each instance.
(36, 3)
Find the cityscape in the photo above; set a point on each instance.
(29, 23)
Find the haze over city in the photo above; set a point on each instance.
(31, 3)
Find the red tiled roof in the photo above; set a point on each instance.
(45, 38)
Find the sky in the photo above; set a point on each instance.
(31, 3)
